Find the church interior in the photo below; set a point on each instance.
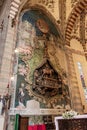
(43, 63)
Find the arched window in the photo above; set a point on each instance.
(82, 79)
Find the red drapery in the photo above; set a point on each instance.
(37, 127)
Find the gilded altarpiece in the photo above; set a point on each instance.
(40, 75)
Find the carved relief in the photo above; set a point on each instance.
(73, 2)
(48, 3)
(62, 14)
(76, 28)
(47, 81)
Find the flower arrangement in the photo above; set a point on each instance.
(69, 114)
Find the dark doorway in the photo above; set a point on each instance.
(23, 123)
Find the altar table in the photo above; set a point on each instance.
(77, 123)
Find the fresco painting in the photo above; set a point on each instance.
(37, 43)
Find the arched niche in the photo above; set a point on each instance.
(38, 42)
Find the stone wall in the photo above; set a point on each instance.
(67, 60)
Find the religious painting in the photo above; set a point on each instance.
(39, 73)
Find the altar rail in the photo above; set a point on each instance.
(77, 123)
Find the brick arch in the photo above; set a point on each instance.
(73, 16)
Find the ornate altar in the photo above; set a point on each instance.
(77, 123)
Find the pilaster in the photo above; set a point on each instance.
(8, 59)
(73, 83)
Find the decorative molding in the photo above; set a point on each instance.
(72, 19)
(47, 3)
(74, 2)
(75, 37)
(28, 112)
(82, 26)
(75, 51)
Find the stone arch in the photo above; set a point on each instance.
(17, 8)
(72, 18)
(49, 15)
(14, 8)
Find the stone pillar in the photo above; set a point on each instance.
(8, 59)
(4, 13)
(62, 15)
(73, 83)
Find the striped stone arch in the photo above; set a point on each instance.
(14, 8)
(16, 4)
(73, 16)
